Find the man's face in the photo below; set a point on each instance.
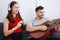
(40, 13)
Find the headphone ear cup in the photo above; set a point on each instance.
(9, 8)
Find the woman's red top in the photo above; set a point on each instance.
(12, 25)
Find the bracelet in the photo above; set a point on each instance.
(13, 29)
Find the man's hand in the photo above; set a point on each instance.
(58, 28)
(43, 28)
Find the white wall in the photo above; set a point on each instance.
(3, 9)
(52, 8)
(27, 8)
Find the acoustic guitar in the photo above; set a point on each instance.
(43, 35)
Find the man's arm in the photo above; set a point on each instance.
(31, 28)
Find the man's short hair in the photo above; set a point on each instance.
(39, 8)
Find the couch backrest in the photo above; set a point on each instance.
(1, 31)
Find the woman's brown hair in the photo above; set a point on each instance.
(10, 16)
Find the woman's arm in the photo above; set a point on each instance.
(6, 26)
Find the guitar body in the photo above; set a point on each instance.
(43, 35)
(37, 34)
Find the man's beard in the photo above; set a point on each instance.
(41, 16)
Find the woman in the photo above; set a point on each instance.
(13, 22)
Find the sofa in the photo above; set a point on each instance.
(54, 36)
(1, 31)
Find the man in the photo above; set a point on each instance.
(39, 19)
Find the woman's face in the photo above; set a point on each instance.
(15, 8)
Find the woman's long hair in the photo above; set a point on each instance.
(10, 16)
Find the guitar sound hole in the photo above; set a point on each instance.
(47, 25)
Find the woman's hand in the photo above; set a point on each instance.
(19, 24)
